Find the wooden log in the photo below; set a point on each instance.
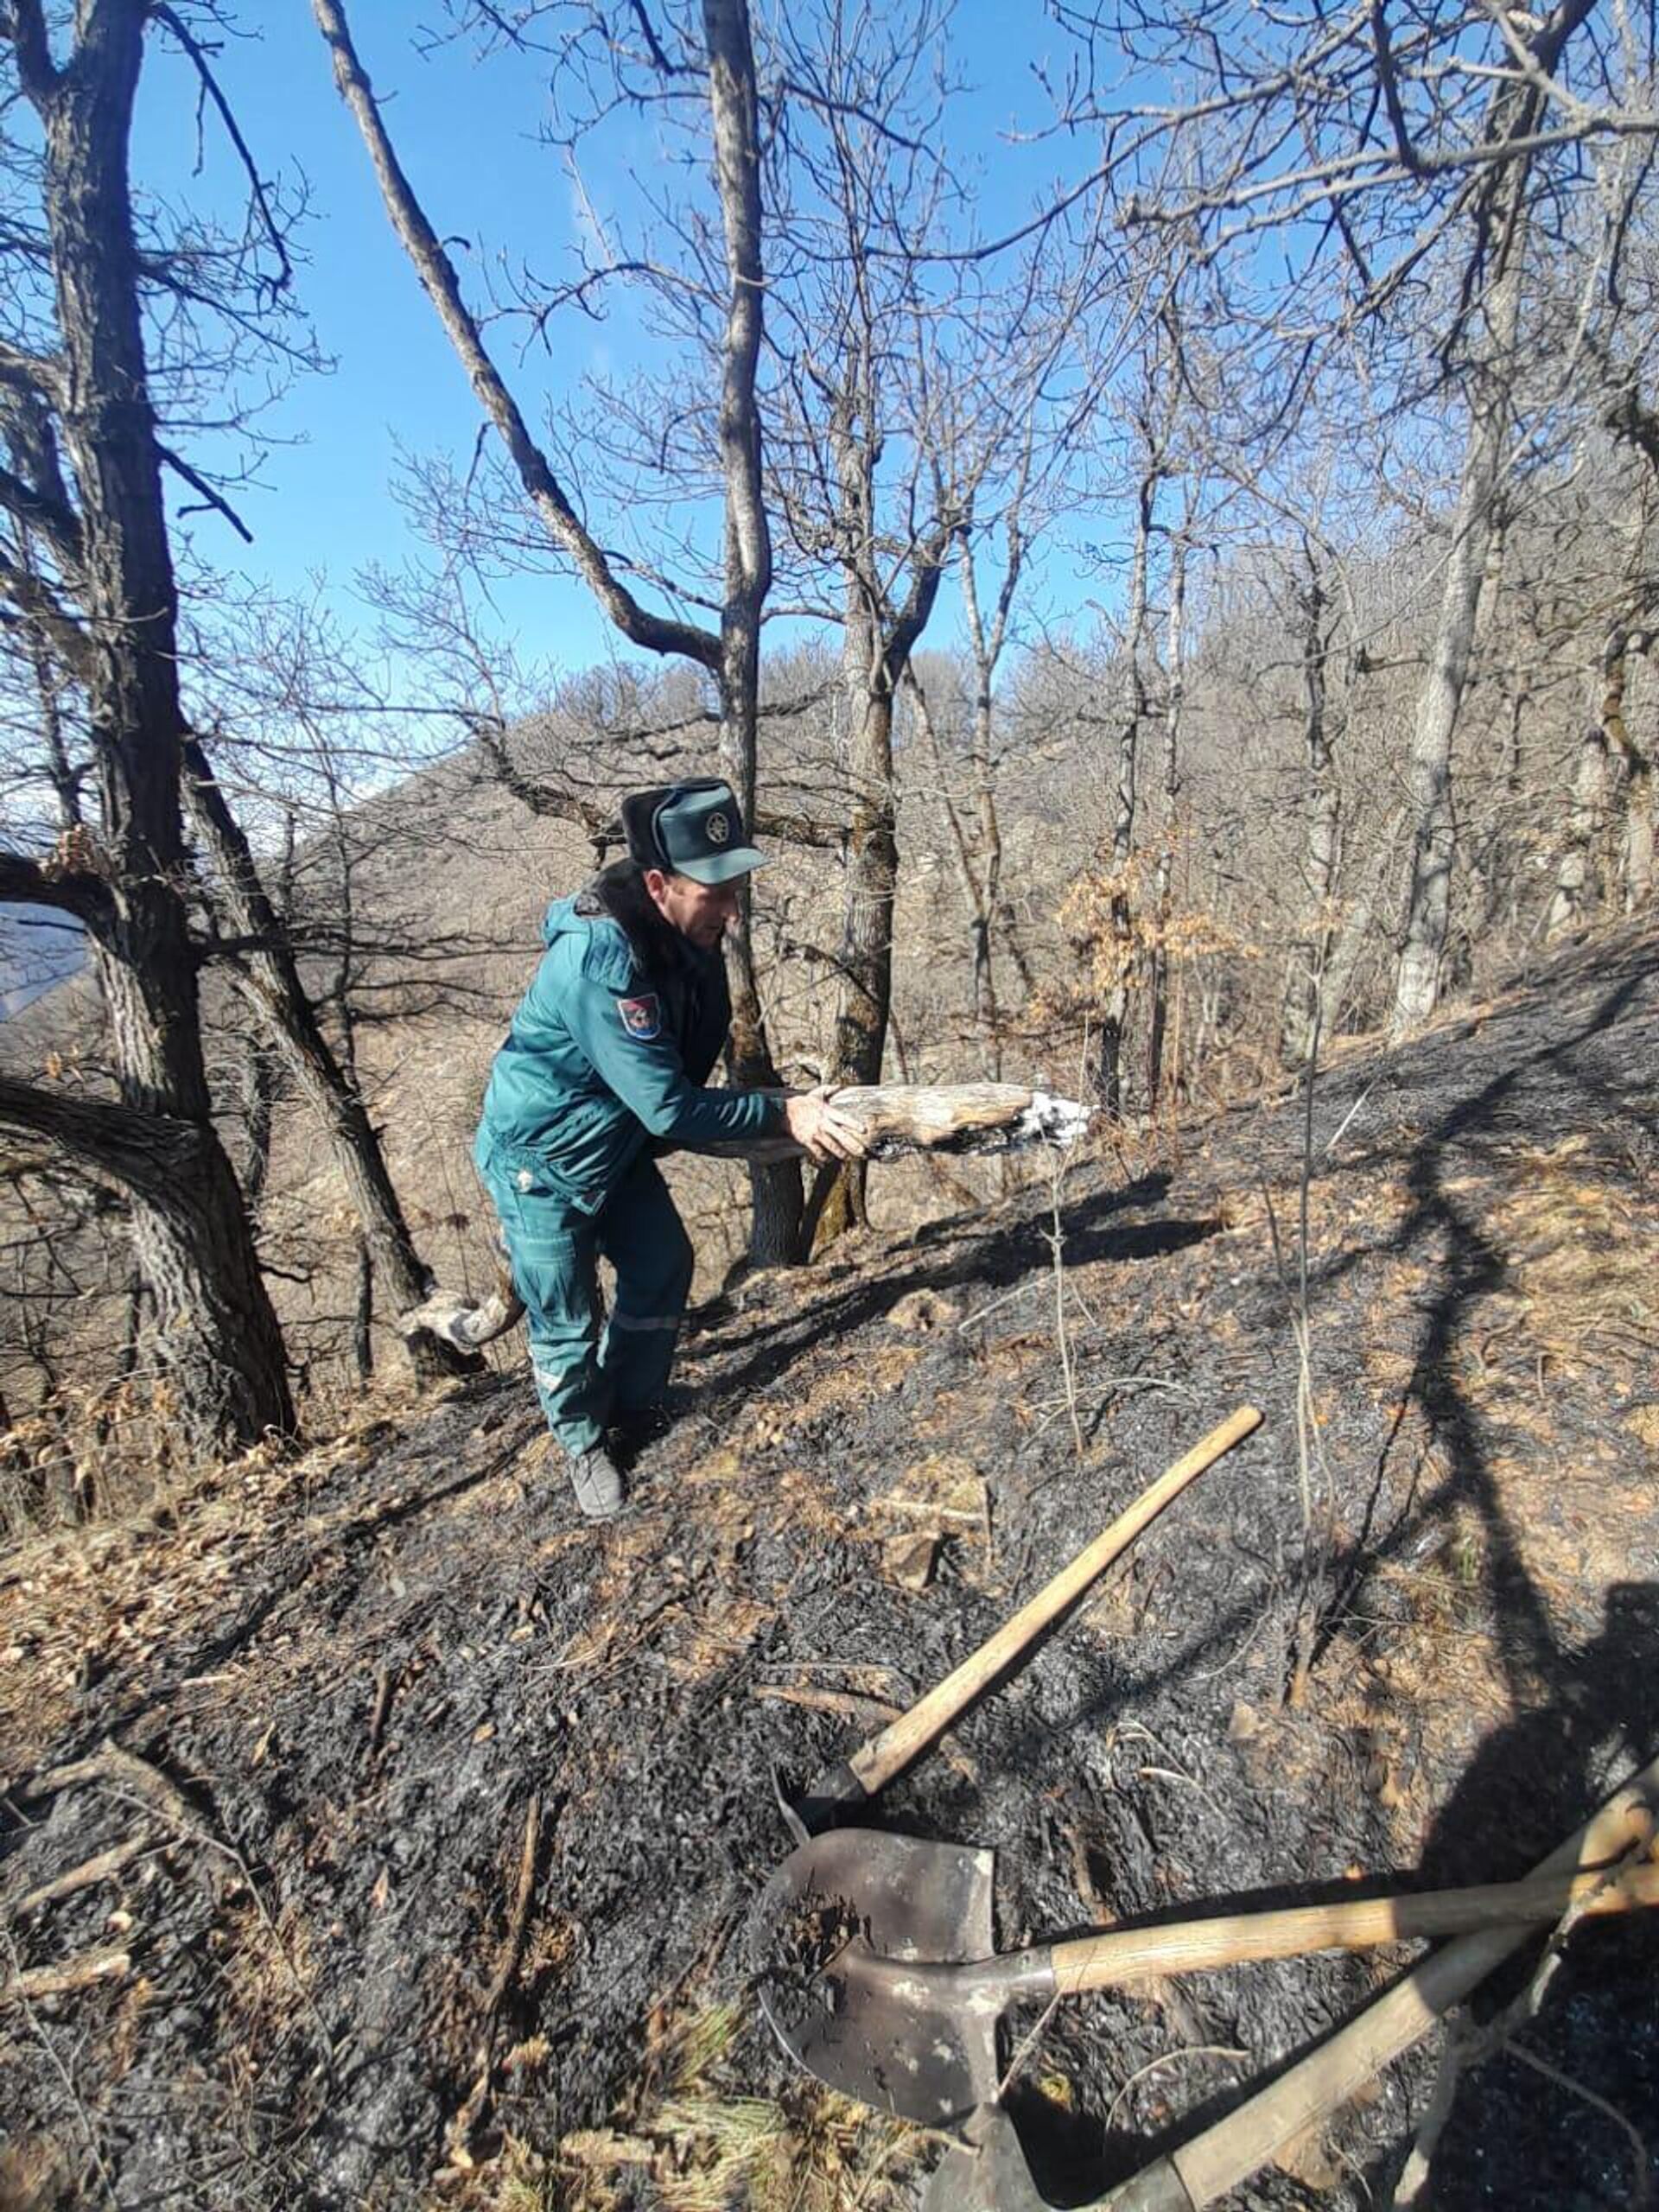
(897, 1118)
(892, 1118)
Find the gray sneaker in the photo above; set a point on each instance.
(597, 1485)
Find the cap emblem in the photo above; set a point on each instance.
(718, 829)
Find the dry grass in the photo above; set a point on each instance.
(716, 2147)
(1586, 1291)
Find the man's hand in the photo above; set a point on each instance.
(810, 1118)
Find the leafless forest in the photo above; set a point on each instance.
(1173, 576)
(1206, 618)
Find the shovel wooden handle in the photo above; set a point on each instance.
(1188, 1946)
(1307, 2093)
(898, 1744)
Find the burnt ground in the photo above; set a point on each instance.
(452, 1809)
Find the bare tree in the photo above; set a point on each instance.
(267, 973)
(1398, 161)
(717, 56)
(104, 603)
(916, 404)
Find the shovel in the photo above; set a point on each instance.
(988, 2172)
(878, 1977)
(845, 1787)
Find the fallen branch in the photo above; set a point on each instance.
(32, 1983)
(128, 1771)
(98, 1869)
(382, 1706)
(461, 2128)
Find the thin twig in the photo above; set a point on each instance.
(1169, 2058)
(1057, 1243)
(61, 2071)
(1027, 2044)
(1641, 2179)
(461, 2128)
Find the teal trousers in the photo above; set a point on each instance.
(591, 1368)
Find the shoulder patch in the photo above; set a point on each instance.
(642, 1018)
(607, 958)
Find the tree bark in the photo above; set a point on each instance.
(878, 641)
(1115, 1012)
(216, 1335)
(1501, 214)
(775, 1190)
(164, 1163)
(1428, 903)
(1310, 955)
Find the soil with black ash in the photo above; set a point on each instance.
(1423, 1639)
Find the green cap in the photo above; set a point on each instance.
(698, 829)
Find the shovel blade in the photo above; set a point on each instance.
(834, 1919)
(986, 2172)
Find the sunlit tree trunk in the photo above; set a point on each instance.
(775, 1191)
(1115, 1009)
(1163, 885)
(1433, 856)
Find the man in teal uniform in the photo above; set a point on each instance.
(602, 1070)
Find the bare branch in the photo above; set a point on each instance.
(27, 883)
(210, 85)
(38, 605)
(57, 522)
(24, 24)
(656, 633)
(35, 372)
(182, 467)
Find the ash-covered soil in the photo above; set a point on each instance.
(444, 1812)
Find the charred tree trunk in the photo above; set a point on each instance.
(215, 1333)
(363, 1321)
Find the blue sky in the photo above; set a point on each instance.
(465, 134)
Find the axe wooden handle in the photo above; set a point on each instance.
(1188, 1946)
(891, 1751)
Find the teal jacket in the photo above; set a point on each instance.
(608, 1054)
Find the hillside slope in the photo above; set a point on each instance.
(452, 1809)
